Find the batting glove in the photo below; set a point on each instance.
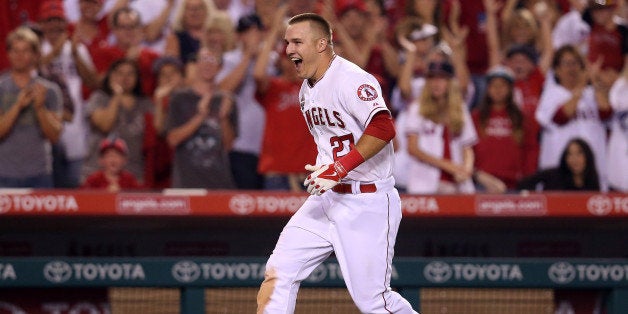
(323, 178)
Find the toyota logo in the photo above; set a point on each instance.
(242, 204)
(437, 272)
(5, 204)
(186, 271)
(57, 271)
(600, 205)
(561, 272)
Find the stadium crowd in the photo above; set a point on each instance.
(488, 96)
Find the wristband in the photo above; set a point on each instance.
(348, 162)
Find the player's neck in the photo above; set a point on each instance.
(323, 69)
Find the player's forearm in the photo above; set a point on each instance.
(369, 146)
(377, 134)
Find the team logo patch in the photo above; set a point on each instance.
(302, 102)
(367, 92)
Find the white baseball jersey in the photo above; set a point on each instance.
(618, 142)
(337, 109)
(422, 177)
(73, 137)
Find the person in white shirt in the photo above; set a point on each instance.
(618, 141)
(236, 77)
(440, 135)
(571, 29)
(69, 61)
(573, 108)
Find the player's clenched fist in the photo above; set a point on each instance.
(323, 178)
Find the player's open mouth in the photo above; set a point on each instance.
(297, 62)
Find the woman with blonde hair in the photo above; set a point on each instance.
(440, 136)
(219, 32)
(188, 28)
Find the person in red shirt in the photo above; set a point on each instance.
(91, 29)
(112, 176)
(471, 15)
(127, 29)
(286, 147)
(501, 127)
(608, 40)
(529, 81)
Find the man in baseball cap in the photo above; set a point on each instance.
(54, 25)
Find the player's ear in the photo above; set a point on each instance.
(322, 44)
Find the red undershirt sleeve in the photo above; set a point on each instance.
(381, 126)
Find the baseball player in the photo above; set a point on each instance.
(354, 210)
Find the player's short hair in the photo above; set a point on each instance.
(25, 34)
(316, 21)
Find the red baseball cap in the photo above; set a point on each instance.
(114, 143)
(51, 9)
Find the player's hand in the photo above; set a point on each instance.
(323, 178)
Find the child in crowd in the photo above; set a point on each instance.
(112, 176)
(501, 126)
